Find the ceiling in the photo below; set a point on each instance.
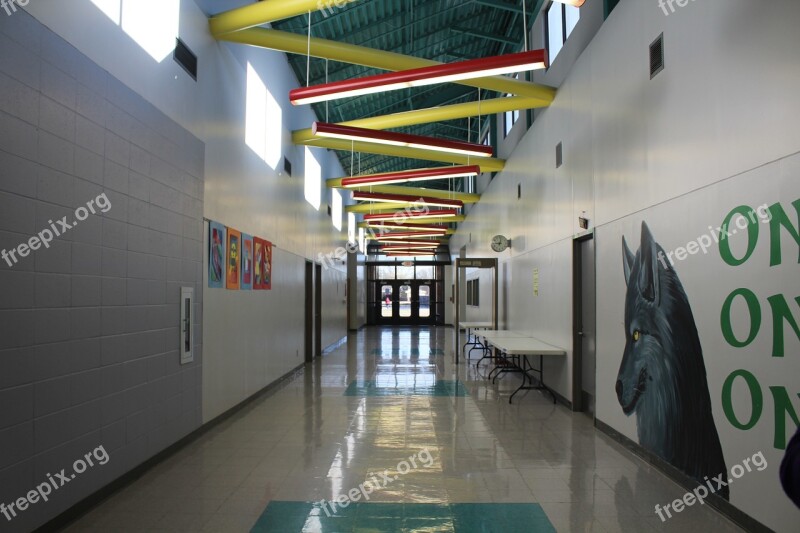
(440, 30)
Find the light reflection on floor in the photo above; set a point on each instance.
(309, 441)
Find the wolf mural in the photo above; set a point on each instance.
(662, 377)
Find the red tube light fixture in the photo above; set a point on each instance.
(411, 229)
(418, 77)
(415, 244)
(407, 198)
(405, 235)
(424, 174)
(399, 215)
(350, 133)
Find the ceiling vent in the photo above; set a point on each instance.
(559, 155)
(657, 56)
(185, 58)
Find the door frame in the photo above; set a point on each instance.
(577, 320)
(317, 310)
(414, 319)
(309, 312)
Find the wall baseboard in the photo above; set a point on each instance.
(725, 508)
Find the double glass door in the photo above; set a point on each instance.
(405, 302)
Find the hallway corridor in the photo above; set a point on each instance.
(433, 446)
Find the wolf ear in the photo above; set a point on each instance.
(627, 260)
(649, 284)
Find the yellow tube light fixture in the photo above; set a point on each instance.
(406, 199)
(391, 138)
(419, 77)
(573, 3)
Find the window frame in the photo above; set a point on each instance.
(564, 33)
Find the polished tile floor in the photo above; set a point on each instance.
(387, 434)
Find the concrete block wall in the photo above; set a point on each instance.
(89, 326)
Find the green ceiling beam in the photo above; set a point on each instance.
(497, 4)
(486, 35)
(263, 12)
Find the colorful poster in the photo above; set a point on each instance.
(262, 264)
(232, 264)
(216, 255)
(266, 266)
(247, 262)
(258, 253)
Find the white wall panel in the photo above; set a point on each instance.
(680, 151)
(255, 337)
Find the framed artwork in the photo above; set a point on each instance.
(262, 264)
(216, 255)
(233, 263)
(247, 262)
(266, 267)
(258, 254)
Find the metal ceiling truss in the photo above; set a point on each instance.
(429, 28)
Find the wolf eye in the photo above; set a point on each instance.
(636, 335)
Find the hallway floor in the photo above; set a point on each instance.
(387, 434)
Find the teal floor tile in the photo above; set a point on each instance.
(440, 388)
(505, 517)
(360, 517)
(283, 517)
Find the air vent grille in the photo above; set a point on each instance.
(657, 56)
(185, 58)
(559, 155)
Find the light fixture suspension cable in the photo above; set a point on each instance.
(326, 81)
(308, 53)
(525, 24)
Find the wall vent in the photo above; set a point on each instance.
(287, 166)
(559, 155)
(657, 56)
(185, 58)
